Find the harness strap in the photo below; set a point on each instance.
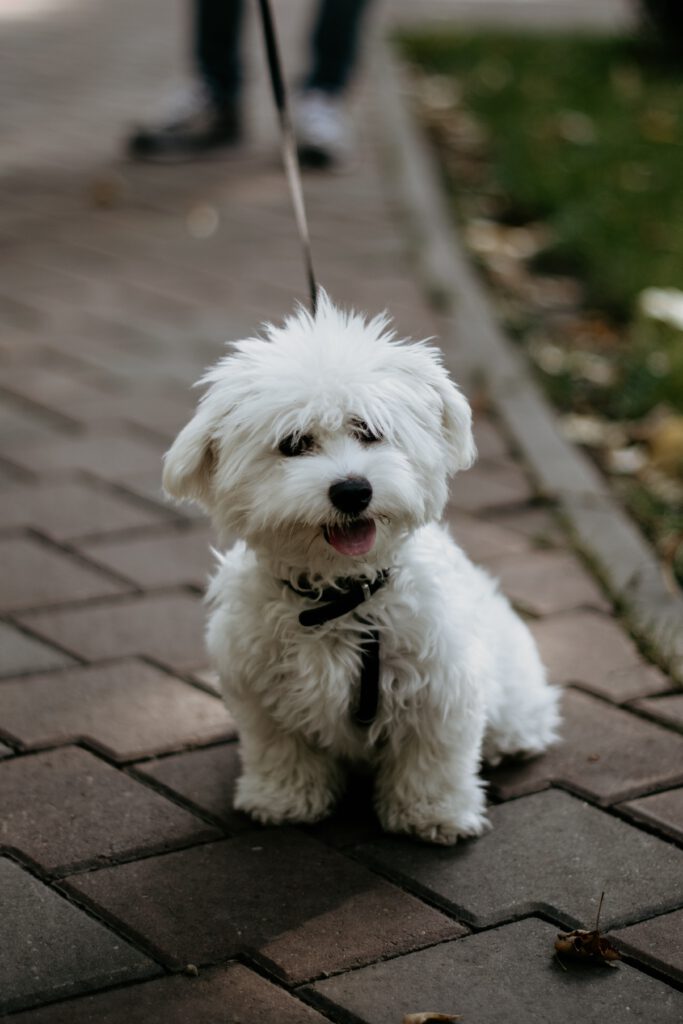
(340, 600)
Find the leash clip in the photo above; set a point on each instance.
(367, 593)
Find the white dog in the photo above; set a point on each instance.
(347, 625)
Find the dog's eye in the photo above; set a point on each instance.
(362, 432)
(296, 444)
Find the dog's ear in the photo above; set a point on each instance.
(457, 425)
(190, 461)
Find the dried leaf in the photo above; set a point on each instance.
(666, 444)
(587, 946)
(425, 1018)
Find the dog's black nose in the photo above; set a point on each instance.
(352, 495)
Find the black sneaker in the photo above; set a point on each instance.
(198, 125)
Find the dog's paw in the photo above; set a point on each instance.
(276, 804)
(526, 737)
(443, 825)
(447, 833)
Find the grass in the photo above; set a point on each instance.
(586, 135)
(581, 140)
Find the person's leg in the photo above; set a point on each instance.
(322, 130)
(217, 36)
(335, 44)
(208, 116)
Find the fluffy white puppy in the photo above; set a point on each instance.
(346, 624)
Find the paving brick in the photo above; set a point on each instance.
(354, 819)
(206, 778)
(296, 904)
(53, 383)
(491, 445)
(106, 456)
(593, 650)
(148, 486)
(158, 411)
(485, 541)
(663, 810)
(504, 976)
(33, 575)
(22, 653)
(169, 558)
(665, 709)
(51, 949)
(20, 425)
(223, 995)
(66, 511)
(167, 627)
(535, 522)
(208, 679)
(489, 486)
(549, 852)
(546, 582)
(604, 753)
(65, 808)
(658, 942)
(127, 708)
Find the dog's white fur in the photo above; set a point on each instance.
(460, 674)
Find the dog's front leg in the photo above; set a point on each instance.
(428, 783)
(283, 777)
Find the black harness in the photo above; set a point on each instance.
(333, 602)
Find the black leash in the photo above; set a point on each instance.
(334, 602)
(290, 156)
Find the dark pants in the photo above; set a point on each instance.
(334, 41)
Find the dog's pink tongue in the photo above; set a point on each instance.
(356, 539)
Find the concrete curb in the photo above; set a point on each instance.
(477, 350)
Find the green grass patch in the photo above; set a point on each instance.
(564, 161)
(585, 134)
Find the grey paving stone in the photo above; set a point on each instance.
(594, 650)
(34, 574)
(147, 485)
(127, 708)
(166, 627)
(489, 486)
(537, 523)
(549, 852)
(663, 810)
(490, 442)
(604, 753)
(484, 541)
(505, 976)
(299, 906)
(66, 808)
(168, 558)
(22, 653)
(207, 779)
(106, 456)
(546, 582)
(204, 777)
(658, 942)
(223, 995)
(51, 949)
(66, 511)
(665, 709)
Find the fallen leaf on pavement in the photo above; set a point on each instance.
(425, 1018)
(587, 946)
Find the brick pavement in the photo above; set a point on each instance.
(122, 859)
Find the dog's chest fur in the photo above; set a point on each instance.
(308, 678)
